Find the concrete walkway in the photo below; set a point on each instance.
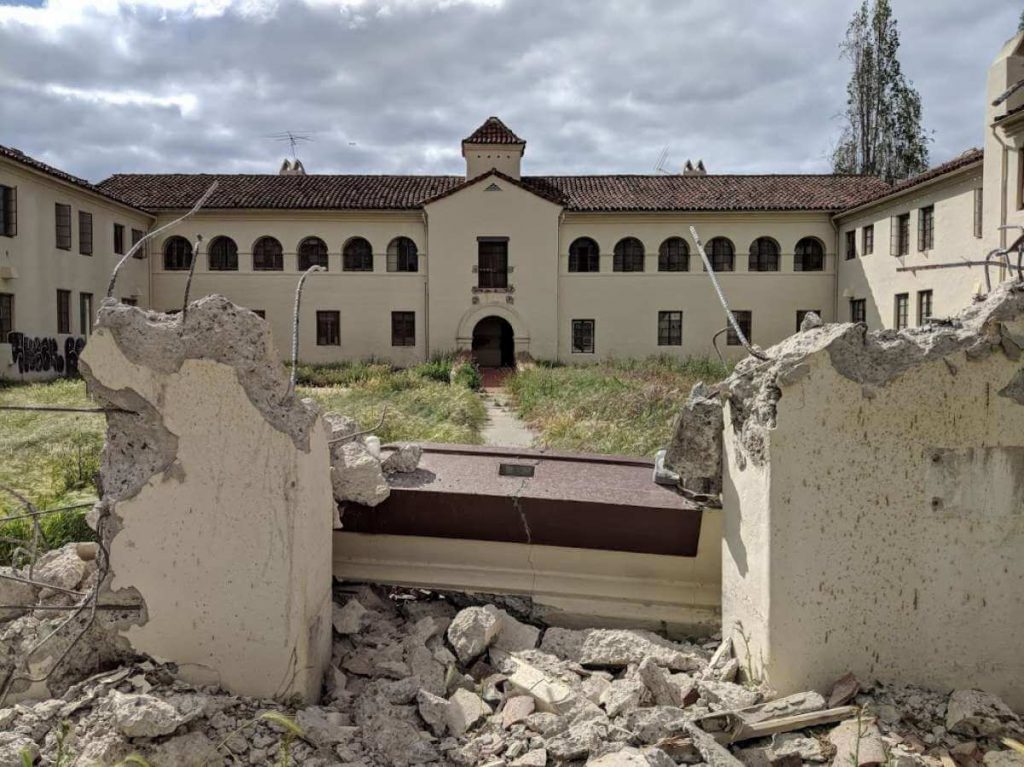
(503, 428)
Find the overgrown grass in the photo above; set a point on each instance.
(50, 458)
(422, 405)
(623, 407)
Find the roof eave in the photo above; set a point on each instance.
(952, 173)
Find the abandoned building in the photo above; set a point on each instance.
(568, 268)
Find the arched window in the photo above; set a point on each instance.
(312, 252)
(674, 255)
(223, 255)
(403, 255)
(177, 254)
(764, 255)
(357, 256)
(809, 255)
(629, 255)
(721, 254)
(584, 256)
(267, 255)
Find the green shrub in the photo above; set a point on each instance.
(467, 374)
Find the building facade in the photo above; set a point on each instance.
(566, 268)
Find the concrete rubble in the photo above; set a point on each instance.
(359, 467)
(414, 680)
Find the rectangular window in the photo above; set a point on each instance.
(328, 328)
(801, 313)
(670, 328)
(901, 310)
(8, 211)
(745, 319)
(492, 263)
(978, 207)
(924, 306)
(137, 235)
(63, 311)
(403, 328)
(63, 217)
(858, 310)
(851, 244)
(869, 240)
(582, 336)
(85, 313)
(6, 316)
(899, 235)
(926, 228)
(119, 239)
(85, 233)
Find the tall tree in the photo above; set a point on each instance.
(883, 134)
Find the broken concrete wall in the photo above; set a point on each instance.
(218, 487)
(874, 502)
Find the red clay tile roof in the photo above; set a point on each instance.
(30, 162)
(313, 192)
(531, 185)
(969, 157)
(493, 131)
(576, 193)
(709, 193)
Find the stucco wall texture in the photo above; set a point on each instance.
(874, 505)
(225, 533)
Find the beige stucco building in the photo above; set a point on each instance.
(567, 268)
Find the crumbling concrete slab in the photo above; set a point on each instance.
(217, 482)
(873, 490)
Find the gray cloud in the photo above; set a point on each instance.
(749, 85)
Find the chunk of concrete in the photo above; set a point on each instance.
(726, 696)
(978, 714)
(517, 709)
(323, 726)
(695, 451)
(464, 711)
(143, 716)
(472, 631)
(549, 694)
(514, 635)
(15, 593)
(1006, 758)
(858, 743)
(356, 475)
(405, 459)
(625, 757)
(537, 757)
(715, 755)
(434, 711)
(667, 689)
(622, 696)
(348, 619)
(617, 648)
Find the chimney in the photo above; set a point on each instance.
(288, 168)
(690, 170)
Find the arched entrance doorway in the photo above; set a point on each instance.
(494, 343)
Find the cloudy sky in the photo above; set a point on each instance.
(392, 86)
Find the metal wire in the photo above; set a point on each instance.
(44, 512)
(383, 415)
(53, 409)
(295, 323)
(135, 248)
(714, 343)
(721, 297)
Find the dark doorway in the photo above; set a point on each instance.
(493, 343)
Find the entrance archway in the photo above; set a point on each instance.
(494, 343)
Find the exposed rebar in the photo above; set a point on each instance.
(295, 323)
(721, 297)
(149, 236)
(188, 281)
(54, 409)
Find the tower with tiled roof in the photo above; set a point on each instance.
(493, 146)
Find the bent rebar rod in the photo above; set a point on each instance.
(714, 343)
(295, 323)
(149, 236)
(721, 297)
(188, 282)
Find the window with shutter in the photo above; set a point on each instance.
(8, 211)
(492, 264)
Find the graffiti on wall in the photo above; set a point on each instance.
(41, 355)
